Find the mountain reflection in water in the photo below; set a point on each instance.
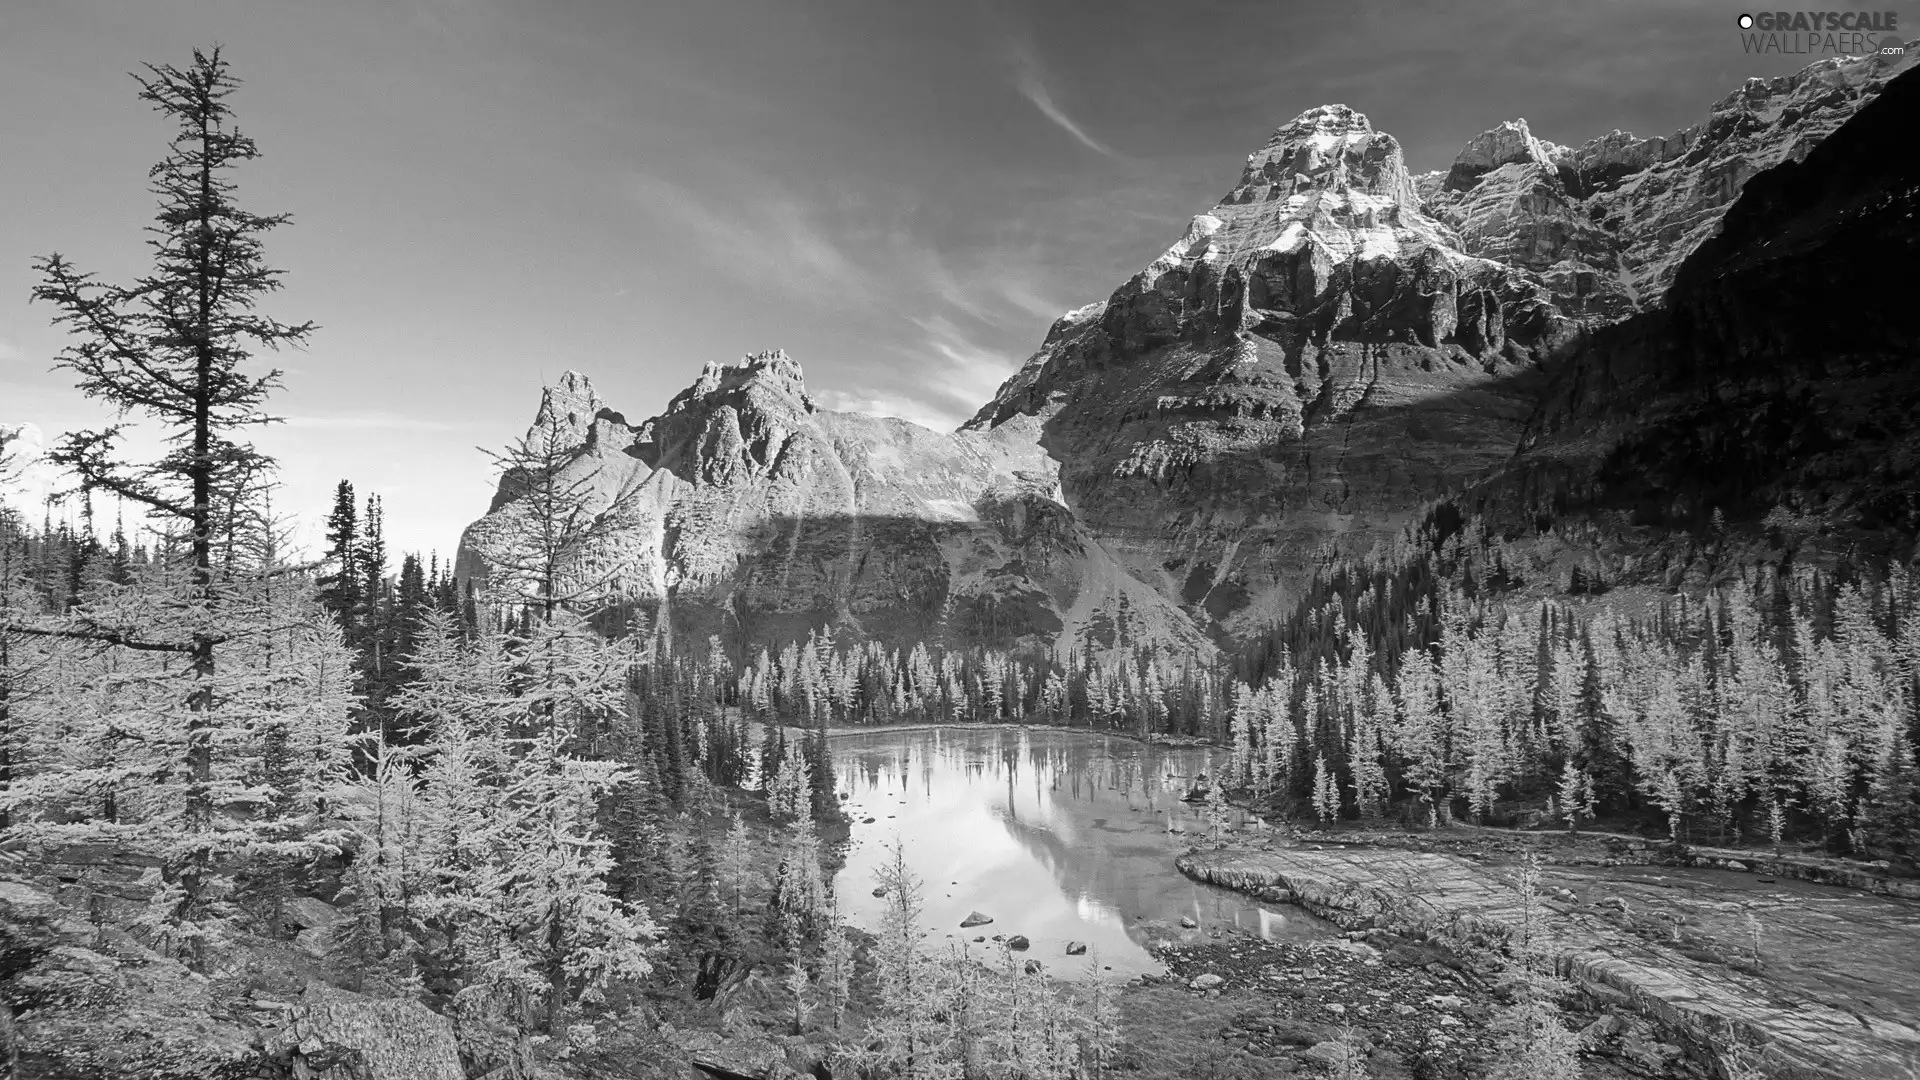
(1058, 835)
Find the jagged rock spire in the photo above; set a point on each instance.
(1510, 142)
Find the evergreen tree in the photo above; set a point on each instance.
(173, 346)
(836, 973)
(341, 582)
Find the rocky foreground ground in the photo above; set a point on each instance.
(1673, 962)
(1672, 955)
(1234, 1006)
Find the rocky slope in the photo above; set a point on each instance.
(1332, 346)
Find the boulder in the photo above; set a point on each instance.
(1328, 1052)
(1076, 948)
(318, 942)
(1018, 942)
(975, 919)
(305, 912)
(1207, 981)
(366, 1038)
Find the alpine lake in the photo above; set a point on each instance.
(1058, 836)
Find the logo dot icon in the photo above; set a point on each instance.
(1746, 22)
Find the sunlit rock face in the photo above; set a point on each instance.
(1332, 346)
(746, 511)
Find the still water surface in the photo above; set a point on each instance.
(1058, 835)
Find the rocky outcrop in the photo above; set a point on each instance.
(91, 1003)
(747, 512)
(1680, 957)
(339, 1035)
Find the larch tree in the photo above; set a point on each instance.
(207, 702)
(26, 661)
(545, 545)
(905, 1039)
(175, 346)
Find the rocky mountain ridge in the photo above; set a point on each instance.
(1607, 224)
(748, 512)
(1780, 369)
(1321, 354)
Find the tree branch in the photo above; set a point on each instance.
(100, 635)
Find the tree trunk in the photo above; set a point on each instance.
(199, 724)
(556, 971)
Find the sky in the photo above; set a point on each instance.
(901, 195)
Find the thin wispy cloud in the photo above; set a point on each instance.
(744, 232)
(1031, 82)
(374, 422)
(953, 375)
(874, 402)
(950, 306)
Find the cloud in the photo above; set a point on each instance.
(374, 421)
(953, 374)
(952, 303)
(1032, 85)
(735, 233)
(875, 402)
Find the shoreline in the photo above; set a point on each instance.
(1182, 741)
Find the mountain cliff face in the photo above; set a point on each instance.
(748, 512)
(1783, 367)
(1315, 359)
(1329, 348)
(1606, 225)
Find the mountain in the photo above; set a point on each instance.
(750, 513)
(1606, 225)
(1781, 369)
(1334, 345)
